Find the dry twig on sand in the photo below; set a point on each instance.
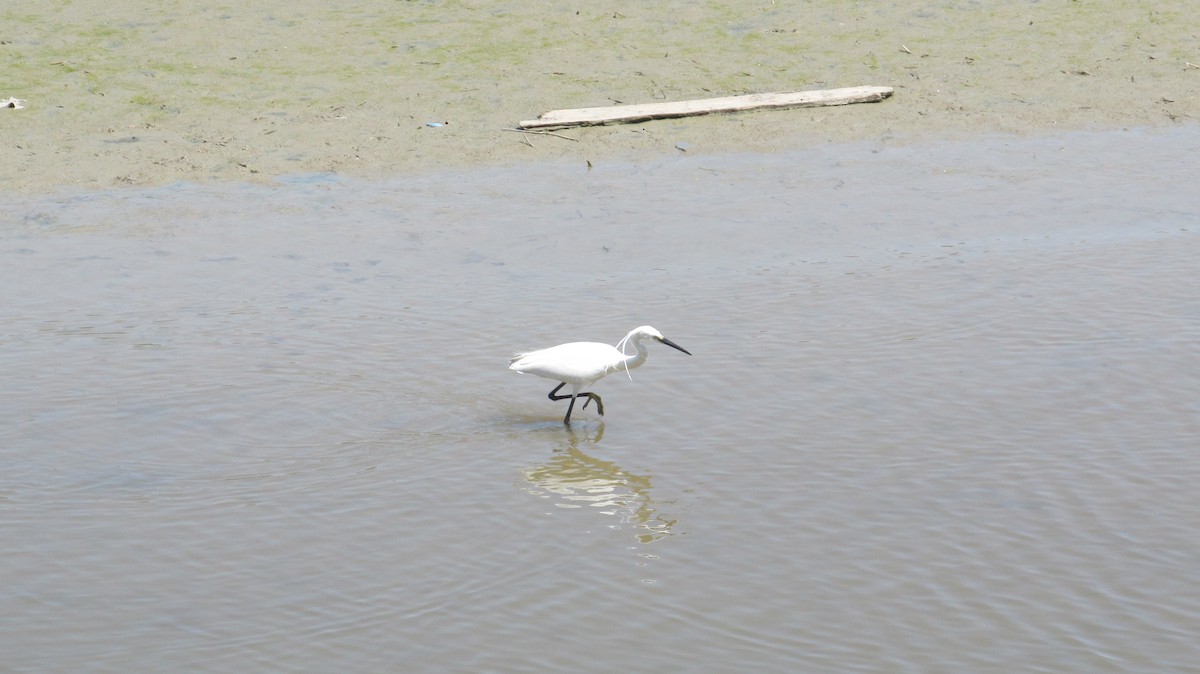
(617, 114)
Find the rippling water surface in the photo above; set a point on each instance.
(942, 416)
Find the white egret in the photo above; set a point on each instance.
(582, 363)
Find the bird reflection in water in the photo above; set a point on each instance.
(575, 479)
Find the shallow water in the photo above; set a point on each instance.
(941, 416)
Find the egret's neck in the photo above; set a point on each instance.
(632, 360)
(636, 359)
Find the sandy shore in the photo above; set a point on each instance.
(125, 93)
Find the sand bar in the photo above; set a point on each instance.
(125, 93)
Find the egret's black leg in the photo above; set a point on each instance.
(587, 394)
(567, 419)
(552, 396)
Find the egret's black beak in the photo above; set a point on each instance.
(673, 345)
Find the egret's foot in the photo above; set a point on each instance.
(590, 398)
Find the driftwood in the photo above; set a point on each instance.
(620, 114)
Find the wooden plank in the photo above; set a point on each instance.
(621, 114)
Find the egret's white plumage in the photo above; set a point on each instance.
(583, 363)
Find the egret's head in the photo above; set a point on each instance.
(649, 332)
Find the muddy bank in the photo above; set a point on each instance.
(121, 93)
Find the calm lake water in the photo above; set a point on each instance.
(943, 416)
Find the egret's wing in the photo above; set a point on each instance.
(576, 362)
